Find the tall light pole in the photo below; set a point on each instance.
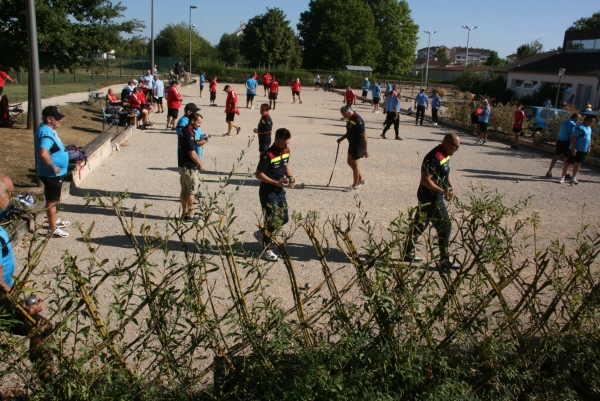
(191, 7)
(561, 72)
(152, 40)
(427, 63)
(468, 28)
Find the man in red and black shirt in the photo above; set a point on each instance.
(174, 99)
(266, 80)
(357, 145)
(273, 92)
(274, 174)
(518, 125)
(231, 110)
(296, 88)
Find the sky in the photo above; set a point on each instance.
(501, 25)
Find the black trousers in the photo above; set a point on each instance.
(390, 118)
(434, 115)
(276, 214)
(421, 111)
(436, 214)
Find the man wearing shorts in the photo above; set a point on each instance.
(365, 89)
(317, 82)
(52, 163)
(274, 174)
(349, 97)
(202, 82)
(251, 85)
(563, 142)
(357, 145)
(581, 141)
(264, 130)
(273, 92)
(483, 121)
(159, 94)
(212, 86)
(174, 99)
(518, 125)
(296, 87)
(231, 110)
(376, 91)
(266, 80)
(190, 167)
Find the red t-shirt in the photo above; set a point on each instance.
(229, 104)
(2, 76)
(173, 97)
(135, 100)
(273, 87)
(266, 78)
(112, 98)
(213, 85)
(255, 76)
(519, 118)
(295, 86)
(350, 96)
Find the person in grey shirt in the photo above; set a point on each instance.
(159, 94)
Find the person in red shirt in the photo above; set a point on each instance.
(296, 87)
(212, 86)
(4, 76)
(174, 99)
(266, 79)
(273, 92)
(518, 125)
(231, 110)
(350, 96)
(255, 76)
(111, 99)
(137, 100)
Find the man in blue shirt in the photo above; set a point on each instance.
(563, 142)
(148, 80)
(159, 94)
(202, 81)
(435, 106)
(421, 104)
(376, 90)
(581, 140)
(392, 112)
(251, 85)
(484, 119)
(365, 91)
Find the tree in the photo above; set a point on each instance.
(268, 39)
(529, 49)
(230, 49)
(397, 34)
(494, 60)
(338, 32)
(69, 32)
(441, 55)
(174, 41)
(586, 23)
(134, 46)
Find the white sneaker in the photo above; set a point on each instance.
(201, 96)
(270, 256)
(478, 142)
(376, 111)
(58, 233)
(252, 107)
(60, 223)
(574, 181)
(351, 188)
(561, 180)
(362, 182)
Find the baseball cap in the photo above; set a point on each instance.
(52, 111)
(366, 79)
(226, 87)
(137, 88)
(191, 107)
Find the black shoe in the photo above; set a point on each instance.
(398, 138)
(549, 174)
(383, 136)
(449, 265)
(410, 257)
(568, 176)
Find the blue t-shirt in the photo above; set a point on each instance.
(148, 81)
(485, 115)
(583, 137)
(388, 89)
(202, 80)
(159, 88)
(183, 121)
(46, 138)
(435, 102)
(421, 99)
(7, 258)
(392, 103)
(251, 84)
(566, 129)
(376, 90)
(366, 85)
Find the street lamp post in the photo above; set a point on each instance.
(191, 7)
(468, 28)
(152, 40)
(427, 62)
(598, 92)
(561, 72)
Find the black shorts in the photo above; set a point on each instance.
(266, 86)
(272, 96)
(375, 100)
(474, 120)
(172, 113)
(52, 187)
(201, 87)
(356, 151)
(483, 127)
(1, 89)
(213, 96)
(365, 93)
(249, 97)
(294, 93)
(517, 130)
(264, 141)
(150, 92)
(578, 158)
(159, 100)
(230, 117)
(562, 148)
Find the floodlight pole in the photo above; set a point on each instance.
(427, 62)
(469, 29)
(191, 7)
(561, 72)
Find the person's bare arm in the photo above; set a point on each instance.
(366, 143)
(202, 142)
(4, 286)
(288, 173)
(10, 79)
(427, 181)
(47, 160)
(261, 176)
(573, 143)
(195, 159)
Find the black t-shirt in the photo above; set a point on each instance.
(438, 165)
(265, 124)
(187, 143)
(355, 126)
(273, 163)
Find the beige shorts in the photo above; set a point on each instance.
(190, 180)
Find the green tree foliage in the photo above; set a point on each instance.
(336, 32)
(230, 49)
(480, 81)
(494, 60)
(529, 49)
(397, 34)
(174, 41)
(69, 31)
(269, 40)
(586, 23)
(134, 46)
(441, 55)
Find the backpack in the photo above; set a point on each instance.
(76, 155)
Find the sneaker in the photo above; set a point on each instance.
(383, 136)
(351, 188)
(574, 181)
(270, 256)
(227, 135)
(410, 257)
(568, 176)
(434, 123)
(398, 138)
(59, 233)
(60, 223)
(561, 180)
(238, 129)
(449, 265)
(549, 174)
(252, 107)
(484, 143)
(376, 111)
(362, 182)
(478, 142)
(192, 219)
(259, 237)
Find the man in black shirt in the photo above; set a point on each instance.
(274, 174)
(189, 167)
(435, 185)
(357, 145)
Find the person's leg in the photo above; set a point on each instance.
(397, 126)
(229, 127)
(356, 176)
(442, 224)
(434, 115)
(389, 120)
(51, 215)
(576, 167)
(565, 169)
(299, 99)
(517, 135)
(422, 114)
(419, 224)
(553, 162)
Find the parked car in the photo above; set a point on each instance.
(542, 115)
